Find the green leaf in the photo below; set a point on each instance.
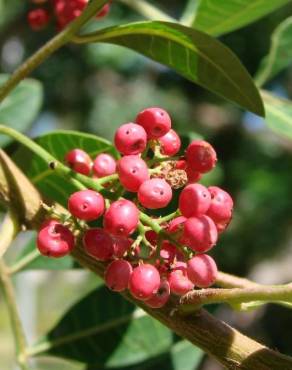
(104, 329)
(195, 55)
(21, 107)
(217, 17)
(280, 55)
(58, 144)
(278, 114)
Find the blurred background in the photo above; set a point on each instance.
(96, 88)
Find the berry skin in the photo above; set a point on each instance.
(200, 233)
(178, 280)
(160, 298)
(201, 156)
(170, 143)
(144, 282)
(221, 206)
(104, 165)
(121, 219)
(193, 175)
(117, 275)
(130, 139)
(202, 270)
(38, 19)
(155, 193)
(55, 239)
(121, 246)
(87, 205)
(155, 121)
(194, 200)
(98, 244)
(133, 171)
(181, 164)
(79, 161)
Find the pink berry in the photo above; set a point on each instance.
(79, 161)
(160, 298)
(104, 165)
(98, 244)
(133, 171)
(170, 143)
(130, 139)
(155, 121)
(178, 280)
(194, 200)
(117, 275)
(176, 227)
(55, 239)
(221, 206)
(38, 19)
(169, 253)
(202, 270)
(155, 193)
(200, 233)
(87, 205)
(193, 175)
(181, 164)
(222, 226)
(121, 246)
(104, 11)
(201, 156)
(144, 281)
(122, 217)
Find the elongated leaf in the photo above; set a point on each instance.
(217, 17)
(58, 144)
(280, 55)
(279, 114)
(193, 54)
(104, 329)
(21, 107)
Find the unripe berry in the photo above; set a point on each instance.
(38, 19)
(117, 275)
(193, 175)
(160, 298)
(144, 281)
(55, 239)
(104, 11)
(178, 281)
(122, 217)
(201, 156)
(121, 246)
(194, 200)
(155, 121)
(104, 165)
(79, 161)
(98, 244)
(202, 270)
(200, 233)
(133, 171)
(170, 143)
(87, 205)
(130, 139)
(155, 193)
(221, 206)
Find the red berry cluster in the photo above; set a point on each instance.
(154, 263)
(64, 12)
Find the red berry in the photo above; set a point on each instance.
(121, 246)
(130, 139)
(181, 164)
(194, 200)
(193, 175)
(152, 237)
(160, 298)
(155, 121)
(117, 275)
(133, 171)
(144, 281)
(79, 161)
(122, 217)
(87, 205)
(66, 11)
(55, 239)
(178, 280)
(98, 244)
(176, 226)
(170, 143)
(202, 270)
(201, 156)
(155, 193)
(104, 165)
(221, 206)
(200, 233)
(38, 19)
(104, 11)
(170, 253)
(222, 226)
